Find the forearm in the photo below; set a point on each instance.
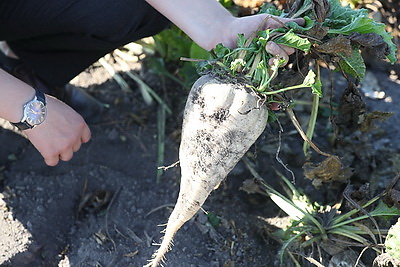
(13, 95)
(202, 20)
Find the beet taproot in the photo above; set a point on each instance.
(221, 121)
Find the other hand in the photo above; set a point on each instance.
(61, 134)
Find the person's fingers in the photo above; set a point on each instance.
(275, 22)
(66, 155)
(76, 147)
(277, 51)
(299, 21)
(273, 48)
(288, 50)
(51, 161)
(86, 134)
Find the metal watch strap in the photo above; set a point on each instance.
(23, 125)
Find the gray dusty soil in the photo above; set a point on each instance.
(104, 207)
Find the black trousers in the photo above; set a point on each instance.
(59, 39)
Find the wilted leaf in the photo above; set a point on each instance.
(318, 31)
(336, 45)
(321, 9)
(393, 198)
(329, 170)
(251, 187)
(367, 120)
(374, 43)
(351, 107)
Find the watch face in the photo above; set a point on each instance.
(35, 112)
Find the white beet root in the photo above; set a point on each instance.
(221, 122)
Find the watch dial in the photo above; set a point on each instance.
(35, 112)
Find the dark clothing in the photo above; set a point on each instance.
(59, 39)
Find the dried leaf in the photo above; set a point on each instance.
(318, 31)
(374, 43)
(94, 201)
(297, 4)
(393, 198)
(367, 120)
(251, 187)
(337, 45)
(351, 107)
(321, 9)
(329, 170)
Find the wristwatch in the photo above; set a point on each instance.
(34, 112)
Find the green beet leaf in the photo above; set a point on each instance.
(354, 65)
(199, 53)
(292, 40)
(270, 9)
(309, 23)
(345, 20)
(241, 41)
(316, 88)
(220, 51)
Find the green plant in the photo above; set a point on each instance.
(332, 36)
(166, 51)
(312, 223)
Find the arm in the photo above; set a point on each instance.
(62, 132)
(13, 94)
(208, 23)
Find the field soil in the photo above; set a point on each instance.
(105, 206)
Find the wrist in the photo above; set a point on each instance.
(34, 112)
(14, 94)
(229, 33)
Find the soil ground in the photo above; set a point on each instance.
(104, 207)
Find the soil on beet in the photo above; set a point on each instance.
(105, 206)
